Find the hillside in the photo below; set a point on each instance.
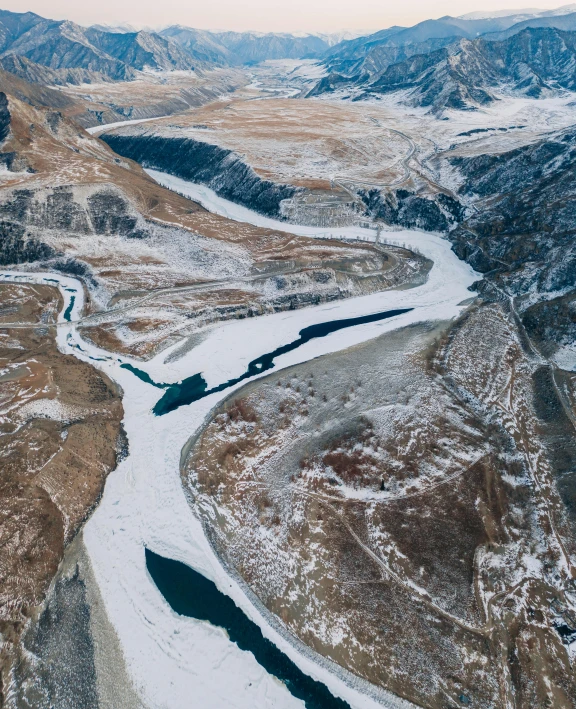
(523, 231)
(58, 52)
(465, 74)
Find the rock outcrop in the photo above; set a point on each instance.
(404, 208)
(218, 168)
(524, 235)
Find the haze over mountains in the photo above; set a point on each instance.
(456, 62)
(61, 52)
(236, 48)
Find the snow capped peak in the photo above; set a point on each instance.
(524, 13)
(492, 14)
(121, 28)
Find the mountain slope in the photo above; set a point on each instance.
(533, 63)
(382, 56)
(15, 24)
(142, 49)
(59, 52)
(373, 53)
(32, 72)
(34, 93)
(444, 28)
(367, 68)
(237, 48)
(64, 45)
(199, 43)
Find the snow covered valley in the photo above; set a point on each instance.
(321, 453)
(170, 657)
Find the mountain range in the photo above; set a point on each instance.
(461, 73)
(31, 45)
(533, 63)
(434, 59)
(47, 51)
(364, 55)
(237, 48)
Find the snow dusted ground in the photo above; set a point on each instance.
(291, 76)
(526, 120)
(95, 130)
(173, 659)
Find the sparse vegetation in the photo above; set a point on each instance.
(411, 484)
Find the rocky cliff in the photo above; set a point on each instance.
(521, 237)
(218, 168)
(405, 208)
(523, 234)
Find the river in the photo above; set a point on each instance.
(172, 658)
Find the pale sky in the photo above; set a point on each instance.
(264, 15)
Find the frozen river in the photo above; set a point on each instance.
(175, 661)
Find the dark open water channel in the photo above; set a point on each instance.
(68, 313)
(194, 388)
(191, 594)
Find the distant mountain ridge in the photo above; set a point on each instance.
(528, 12)
(199, 42)
(362, 61)
(238, 48)
(60, 51)
(348, 55)
(566, 22)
